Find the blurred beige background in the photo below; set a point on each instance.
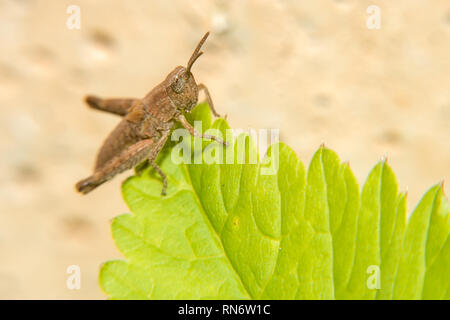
(310, 68)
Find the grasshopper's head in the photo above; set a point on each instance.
(182, 88)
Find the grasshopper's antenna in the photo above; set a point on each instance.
(196, 53)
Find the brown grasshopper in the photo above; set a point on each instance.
(146, 124)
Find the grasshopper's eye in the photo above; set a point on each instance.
(177, 85)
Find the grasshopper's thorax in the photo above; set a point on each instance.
(182, 89)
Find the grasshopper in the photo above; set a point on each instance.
(146, 124)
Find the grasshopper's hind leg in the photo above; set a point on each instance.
(127, 159)
(116, 106)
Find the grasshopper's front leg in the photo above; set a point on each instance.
(195, 133)
(152, 157)
(201, 87)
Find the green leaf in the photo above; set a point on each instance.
(231, 231)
